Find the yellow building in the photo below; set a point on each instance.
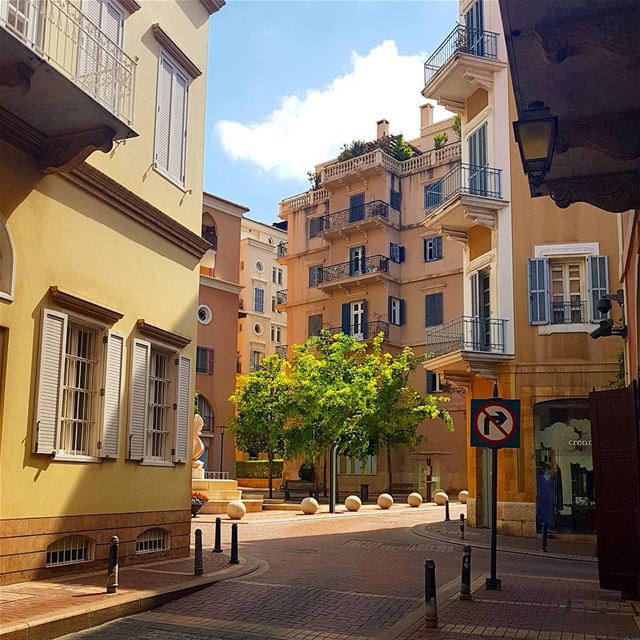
(360, 262)
(101, 162)
(532, 280)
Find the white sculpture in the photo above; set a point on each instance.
(462, 496)
(236, 509)
(197, 466)
(309, 506)
(352, 503)
(385, 501)
(440, 498)
(414, 499)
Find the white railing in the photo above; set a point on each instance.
(319, 196)
(61, 34)
(216, 475)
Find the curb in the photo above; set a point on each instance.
(117, 606)
(418, 530)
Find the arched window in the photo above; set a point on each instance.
(209, 230)
(151, 540)
(7, 262)
(70, 550)
(204, 410)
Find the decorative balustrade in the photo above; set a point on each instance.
(463, 179)
(462, 39)
(339, 219)
(363, 330)
(59, 32)
(281, 249)
(351, 269)
(216, 475)
(466, 334)
(281, 350)
(281, 296)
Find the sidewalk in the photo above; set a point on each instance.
(533, 608)
(52, 608)
(564, 547)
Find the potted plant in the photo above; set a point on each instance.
(198, 500)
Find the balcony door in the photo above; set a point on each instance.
(478, 161)
(358, 319)
(21, 17)
(474, 21)
(356, 207)
(567, 291)
(356, 261)
(481, 311)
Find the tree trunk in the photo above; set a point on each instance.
(389, 473)
(270, 458)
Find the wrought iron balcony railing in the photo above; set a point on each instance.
(339, 219)
(364, 330)
(64, 36)
(463, 179)
(281, 350)
(466, 334)
(462, 39)
(351, 269)
(281, 296)
(281, 250)
(569, 312)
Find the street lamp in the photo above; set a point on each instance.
(536, 133)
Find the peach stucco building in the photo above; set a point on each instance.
(531, 277)
(218, 310)
(359, 261)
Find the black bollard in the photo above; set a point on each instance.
(197, 569)
(461, 528)
(446, 511)
(234, 559)
(465, 581)
(545, 536)
(430, 600)
(112, 571)
(217, 546)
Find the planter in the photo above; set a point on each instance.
(195, 508)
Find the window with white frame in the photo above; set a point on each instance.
(276, 333)
(433, 382)
(6, 262)
(432, 249)
(273, 304)
(160, 404)
(80, 361)
(151, 540)
(355, 467)
(276, 275)
(566, 290)
(396, 311)
(258, 299)
(70, 550)
(171, 119)
(256, 360)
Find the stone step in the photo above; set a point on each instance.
(220, 506)
(273, 500)
(211, 485)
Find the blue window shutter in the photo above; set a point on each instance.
(598, 283)
(401, 254)
(346, 318)
(433, 309)
(437, 247)
(389, 301)
(424, 249)
(538, 291)
(394, 253)
(365, 322)
(402, 312)
(356, 207)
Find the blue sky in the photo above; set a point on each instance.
(290, 81)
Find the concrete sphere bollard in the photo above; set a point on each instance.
(309, 506)
(236, 509)
(440, 498)
(385, 501)
(352, 503)
(414, 499)
(462, 496)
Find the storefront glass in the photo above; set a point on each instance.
(564, 465)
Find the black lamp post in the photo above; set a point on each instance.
(535, 134)
(222, 428)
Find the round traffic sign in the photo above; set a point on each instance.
(494, 423)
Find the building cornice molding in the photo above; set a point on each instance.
(175, 51)
(130, 5)
(73, 302)
(221, 285)
(212, 6)
(98, 184)
(162, 335)
(224, 206)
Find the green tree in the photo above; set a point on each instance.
(263, 402)
(399, 409)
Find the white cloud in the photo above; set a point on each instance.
(307, 130)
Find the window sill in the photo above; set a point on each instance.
(578, 327)
(60, 456)
(156, 463)
(173, 181)
(6, 296)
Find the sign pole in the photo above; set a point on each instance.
(333, 475)
(493, 583)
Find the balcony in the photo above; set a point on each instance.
(68, 88)
(352, 273)
(465, 61)
(281, 250)
(281, 297)
(466, 196)
(467, 345)
(303, 200)
(365, 331)
(376, 213)
(574, 312)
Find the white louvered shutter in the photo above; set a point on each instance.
(163, 115)
(48, 407)
(183, 412)
(89, 50)
(109, 438)
(139, 400)
(111, 23)
(178, 126)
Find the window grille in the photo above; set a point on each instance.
(159, 404)
(69, 550)
(152, 540)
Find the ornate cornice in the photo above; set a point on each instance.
(115, 195)
(175, 51)
(617, 192)
(163, 335)
(72, 302)
(130, 5)
(212, 5)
